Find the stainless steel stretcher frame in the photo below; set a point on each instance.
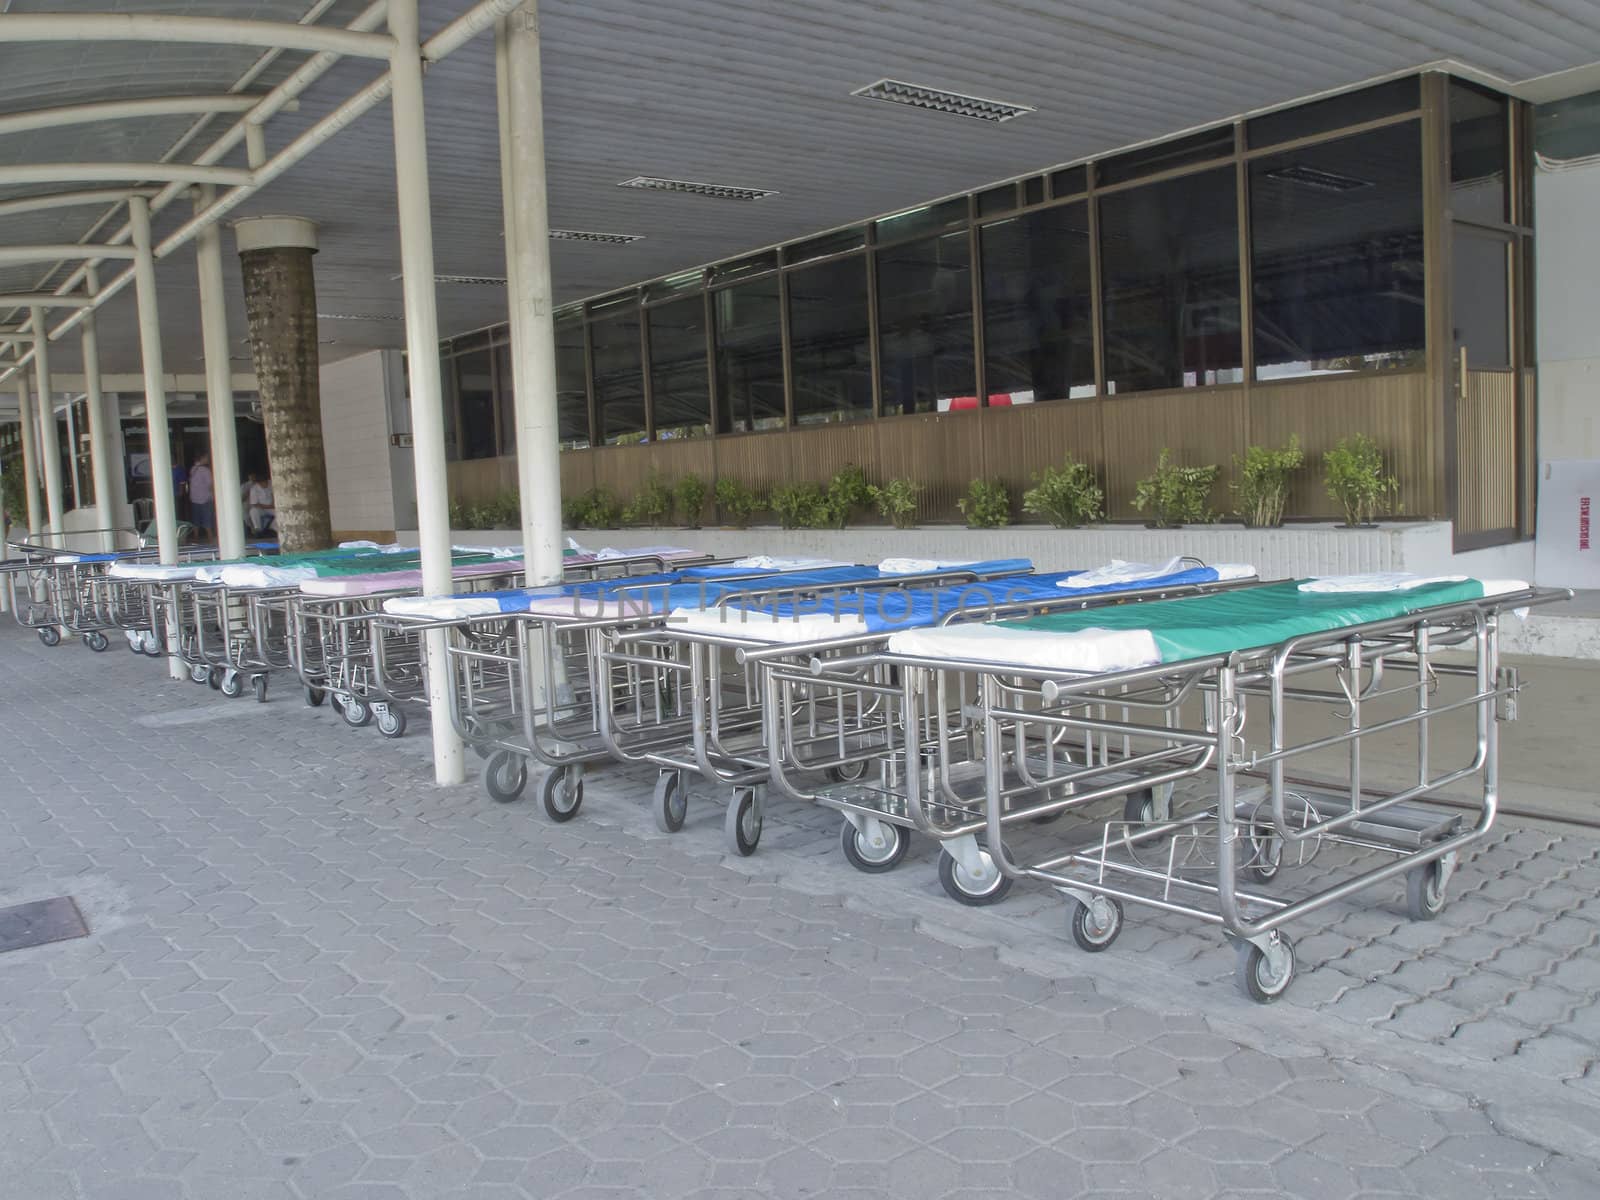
(1187, 724)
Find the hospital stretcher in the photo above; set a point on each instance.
(370, 670)
(1212, 695)
(714, 659)
(529, 681)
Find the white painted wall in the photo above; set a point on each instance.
(355, 434)
(1566, 204)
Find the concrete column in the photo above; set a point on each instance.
(219, 386)
(105, 494)
(30, 458)
(155, 395)
(280, 301)
(422, 356)
(533, 340)
(49, 439)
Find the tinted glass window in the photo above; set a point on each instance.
(1478, 154)
(505, 398)
(1180, 152)
(1336, 255)
(618, 379)
(749, 343)
(830, 358)
(1038, 325)
(925, 325)
(1352, 108)
(1169, 256)
(572, 389)
(918, 221)
(1069, 181)
(825, 244)
(475, 393)
(1480, 266)
(679, 385)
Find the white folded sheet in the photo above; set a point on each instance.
(155, 572)
(767, 627)
(1081, 651)
(1375, 581)
(769, 562)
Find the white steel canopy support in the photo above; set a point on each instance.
(43, 300)
(165, 28)
(22, 255)
(121, 172)
(30, 459)
(49, 439)
(422, 359)
(219, 389)
(54, 200)
(124, 110)
(533, 341)
(99, 437)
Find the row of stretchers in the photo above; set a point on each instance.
(1126, 735)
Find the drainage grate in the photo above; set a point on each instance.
(915, 95)
(720, 191)
(40, 922)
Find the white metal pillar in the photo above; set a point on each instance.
(528, 290)
(219, 387)
(422, 356)
(155, 394)
(99, 445)
(49, 439)
(30, 459)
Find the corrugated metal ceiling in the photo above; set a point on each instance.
(752, 95)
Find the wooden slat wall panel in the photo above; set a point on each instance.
(943, 453)
(1392, 409)
(577, 472)
(758, 460)
(1020, 442)
(1486, 444)
(1199, 427)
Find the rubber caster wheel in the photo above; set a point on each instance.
(98, 642)
(670, 802)
(315, 696)
(1425, 891)
(1095, 925)
(861, 854)
(851, 772)
(505, 777)
(50, 635)
(1266, 856)
(960, 885)
(152, 647)
(391, 722)
(197, 674)
(562, 794)
(1266, 975)
(356, 713)
(231, 684)
(214, 678)
(1140, 808)
(258, 685)
(742, 826)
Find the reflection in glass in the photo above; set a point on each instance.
(1169, 257)
(475, 401)
(1478, 154)
(830, 357)
(679, 384)
(1336, 255)
(572, 389)
(1038, 324)
(749, 346)
(505, 398)
(618, 378)
(1480, 305)
(1164, 156)
(1336, 112)
(925, 325)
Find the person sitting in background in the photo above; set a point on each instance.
(202, 501)
(259, 513)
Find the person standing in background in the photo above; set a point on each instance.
(180, 486)
(202, 499)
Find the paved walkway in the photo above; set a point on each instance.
(312, 974)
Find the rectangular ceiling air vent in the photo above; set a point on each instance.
(589, 235)
(1316, 177)
(915, 95)
(719, 191)
(322, 316)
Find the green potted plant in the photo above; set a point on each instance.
(689, 496)
(737, 502)
(801, 506)
(1067, 496)
(1175, 496)
(1264, 478)
(651, 505)
(848, 491)
(896, 502)
(1353, 472)
(987, 504)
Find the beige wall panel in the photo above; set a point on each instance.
(1020, 442)
(943, 453)
(1200, 426)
